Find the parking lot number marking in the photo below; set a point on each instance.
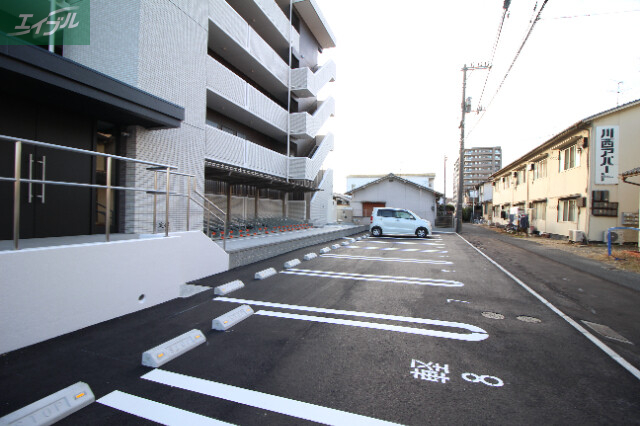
(277, 404)
(430, 371)
(484, 379)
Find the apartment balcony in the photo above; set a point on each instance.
(305, 168)
(237, 99)
(226, 148)
(306, 83)
(229, 149)
(305, 125)
(270, 22)
(231, 37)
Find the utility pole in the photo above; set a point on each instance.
(444, 193)
(466, 107)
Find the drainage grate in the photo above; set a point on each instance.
(492, 315)
(532, 320)
(606, 332)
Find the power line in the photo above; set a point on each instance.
(524, 41)
(588, 15)
(495, 46)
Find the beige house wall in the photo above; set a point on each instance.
(577, 182)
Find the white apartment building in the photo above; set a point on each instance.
(479, 164)
(199, 88)
(570, 185)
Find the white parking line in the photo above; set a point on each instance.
(277, 404)
(473, 337)
(397, 249)
(155, 411)
(606, 349)
(476, 334)
(387, 259)
(405, 243)
(368, 277)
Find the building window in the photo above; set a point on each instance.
(540, 169)
(567, 211)
(569, 158)
(539, 211)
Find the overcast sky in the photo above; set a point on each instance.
(399, 82)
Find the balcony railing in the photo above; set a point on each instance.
(230, 36)
(306, 83)
(305, 125)
(268, 20)
(308, 168)
(242, 101)
(229, 149)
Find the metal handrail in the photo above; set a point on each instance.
(17, 180)
(6, 138)
(225, 215)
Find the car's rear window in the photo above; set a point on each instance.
(385, 213)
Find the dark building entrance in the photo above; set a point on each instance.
(50, 99)
(48, 210)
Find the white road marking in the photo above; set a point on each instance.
(606, 349)
(368, 277)
(405, 242)
(398, 249)
(473, 337)
(388, 259)
(277, 404)
(456, 300)
(155, 411)
(476, 334)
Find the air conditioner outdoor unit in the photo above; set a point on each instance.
(576, 235)
(617, 237)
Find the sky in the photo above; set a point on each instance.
(398, 89)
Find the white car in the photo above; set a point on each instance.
(392, 221)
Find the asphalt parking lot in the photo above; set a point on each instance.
(399, 330)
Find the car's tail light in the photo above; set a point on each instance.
(371, 219)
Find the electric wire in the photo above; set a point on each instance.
(533, 22)
(589, 15)
(495, 47)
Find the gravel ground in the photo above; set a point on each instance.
(625, 257)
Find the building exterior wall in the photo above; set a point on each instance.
(322, 201)
(576, 183)
(356, 181)
(628, 158)
(397, 194)
(480, 163)
(165, 48)
(558, 185)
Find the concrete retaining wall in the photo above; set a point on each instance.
(256, 254)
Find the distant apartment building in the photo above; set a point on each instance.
(479, 164)
(422, 179)
(571, 185)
